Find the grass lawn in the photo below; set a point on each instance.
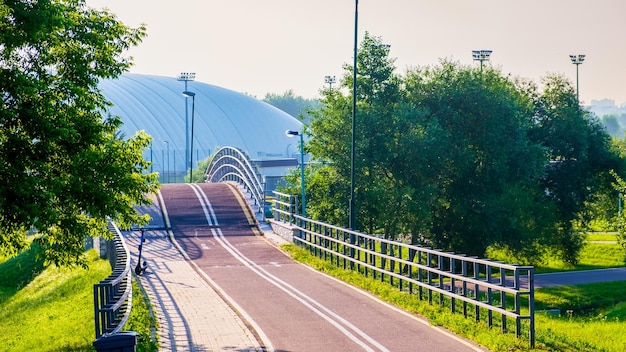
(592, 317)
(52, 309)
(593, 256)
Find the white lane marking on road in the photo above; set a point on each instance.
(204, 246)
(325, 313)
(275, 264)
(204, 201)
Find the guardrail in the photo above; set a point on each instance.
(232, 164)
(112, 297)
(285, 206)
(467, 285)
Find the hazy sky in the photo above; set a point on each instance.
(261, 46)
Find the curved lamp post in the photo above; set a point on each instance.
(577, 60)
(186, 77)
(187, 94)
(291, 133)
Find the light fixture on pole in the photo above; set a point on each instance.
(291, 133)
(186, 77)
(577, 60)
(330, 80)
(187, 94)
(481, 55)
(352, 216)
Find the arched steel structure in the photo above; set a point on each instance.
(233, 164)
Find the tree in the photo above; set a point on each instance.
(295, 106)
(483, 188)
(65, 169)
(377, 91)
(580, 159)
(460, 158)
(611, 125)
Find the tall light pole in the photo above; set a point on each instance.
(352, 218)
(481, 55)
(330, 80)
(186, 77)
(291, 133)
(187, 94)
(577, 60)
(168, 160)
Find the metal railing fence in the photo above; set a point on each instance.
(285, 207)
(467, 285)
(112, 297)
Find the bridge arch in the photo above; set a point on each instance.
(233, 164)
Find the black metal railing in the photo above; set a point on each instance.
(112, 297)
(467, 285)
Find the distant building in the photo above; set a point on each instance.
(606, 107)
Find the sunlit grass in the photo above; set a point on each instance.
(142, 321)
(54, 311)
(602, 236)
(593, 256)
(592, 317)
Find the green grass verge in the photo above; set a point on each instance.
(593, 256)
(602, 236)
(142, 320)
(52, 309)
(598, 306)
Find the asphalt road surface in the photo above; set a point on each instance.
(291, 307)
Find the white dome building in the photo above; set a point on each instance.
(221, 118)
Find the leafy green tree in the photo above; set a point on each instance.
(580, 158)
(459, 158)
(483, 189)
(620, 186)
(611, 125)
(378, 90)
(295, 106)
(64, 167)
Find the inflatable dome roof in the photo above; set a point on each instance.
(221, 118)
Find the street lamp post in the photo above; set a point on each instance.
(151, 162)
(481, 55)
(291, 133)
(330, 80)
(187, 94)
(577, 60)
(186, 77)
(352, 220)
(168, 160)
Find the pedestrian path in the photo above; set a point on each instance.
(192, 314)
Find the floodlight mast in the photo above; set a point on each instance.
(577, 60)
(186, 77)
(330, 80)
(481, 55)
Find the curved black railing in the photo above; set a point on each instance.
(112, 297)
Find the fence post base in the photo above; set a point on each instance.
(125, 341)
